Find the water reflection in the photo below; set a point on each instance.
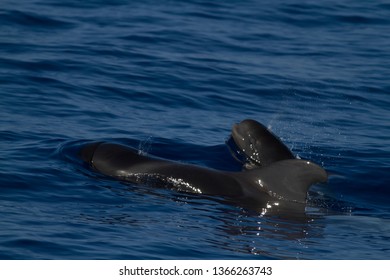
(215, 223)
(273, 234)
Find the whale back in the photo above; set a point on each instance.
(125, 163)
(114, 159)
(257, 144)
(288, 179)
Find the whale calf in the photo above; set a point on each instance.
(274, 172)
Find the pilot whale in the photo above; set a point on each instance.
(274, 173)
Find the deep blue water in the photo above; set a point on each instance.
(170, 78)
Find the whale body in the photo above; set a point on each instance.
(274, 174)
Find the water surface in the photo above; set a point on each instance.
(170, 78)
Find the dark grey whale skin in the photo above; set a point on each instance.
(258, 144)
(287, 180)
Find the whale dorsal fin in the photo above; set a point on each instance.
(290, 179)
(257, 144)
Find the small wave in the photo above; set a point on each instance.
(32, 20)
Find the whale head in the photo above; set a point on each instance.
(257, 144)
